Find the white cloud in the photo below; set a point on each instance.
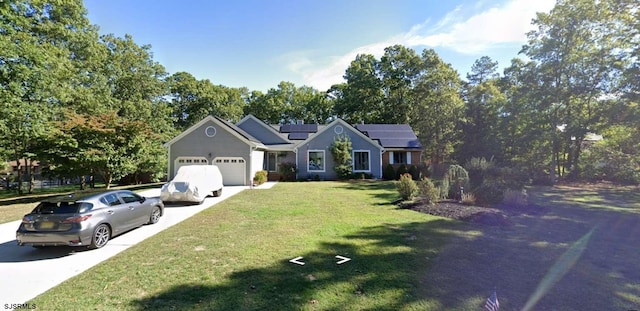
(474, 34)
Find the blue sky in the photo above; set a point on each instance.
(258, 43)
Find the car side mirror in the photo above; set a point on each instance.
(142, 199)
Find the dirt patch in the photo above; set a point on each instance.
(499, 216)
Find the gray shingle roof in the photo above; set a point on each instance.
(391, 135)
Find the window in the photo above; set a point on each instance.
(316, 161)
(361, 161)
(270, 163)
(400, 158)
(129, 197)
(111, 200)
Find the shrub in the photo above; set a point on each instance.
(489, 193)
(389, 172)
(407, 187)
(402, 169)
(515, 198)
(458, 179)
(260, 177)
(443, 188)
(341, 151)
(430, 194)
(344, 171)
(468, 198)
(287, 171)
(415, 172)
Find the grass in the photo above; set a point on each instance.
(571, 254)
(13, 207)
(235, 255)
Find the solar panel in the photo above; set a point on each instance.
(298, 136)
(391, 134)
(298, 128)
(400, 143)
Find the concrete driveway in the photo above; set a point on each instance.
(26, 272)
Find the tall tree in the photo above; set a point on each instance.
(439, 107)
(577, 60)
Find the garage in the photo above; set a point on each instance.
(182, 161)
(233, 170)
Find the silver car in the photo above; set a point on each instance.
(87, 220)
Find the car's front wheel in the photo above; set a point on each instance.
(101, 236)
(155, 215)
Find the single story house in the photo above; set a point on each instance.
(240, 150)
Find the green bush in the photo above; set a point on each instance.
(389, 172)
(407, 187)
(260, 177)
(343, 171)
(430, 194)
(489, 193)
(402, 169)
(415, 172)
(287, 171)
(515, 198)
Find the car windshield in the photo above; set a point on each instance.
(62, 207)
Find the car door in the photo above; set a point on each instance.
(138, 211)
(117, 214)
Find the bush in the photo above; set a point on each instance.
(344, 171)
(407, 188)
(443, 188)
(260, 177)
(389, 173)
(415, 172)
(402, 169)
(468, 198)
(429, 192)
(515, 198)
(287, 171)
(489, 193)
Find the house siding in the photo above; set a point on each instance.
(198, 144)
(323, 141)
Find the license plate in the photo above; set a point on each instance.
(47, 225)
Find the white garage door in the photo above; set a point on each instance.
(233, 170)
(182, 161)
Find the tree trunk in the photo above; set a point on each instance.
(107, 179)
(19, 174)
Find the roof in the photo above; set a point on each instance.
(391, 135)
(232, 128)
(344, 124)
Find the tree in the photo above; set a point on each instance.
(484, 100)
(400, 68)
(341, 152)
(438, 107)
(360, 100)
(577, 60)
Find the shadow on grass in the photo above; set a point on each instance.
(441, 265)
(385, 191)
(371, 280)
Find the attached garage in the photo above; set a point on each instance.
(214, 141)
(182, 161)
(233, 170)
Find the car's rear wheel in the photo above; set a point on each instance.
(155, 215)
(101, 236)
(217, 193)
(39, 246)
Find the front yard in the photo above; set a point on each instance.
(235, 256)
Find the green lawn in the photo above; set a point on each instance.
(576, 249)
(235, 255)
